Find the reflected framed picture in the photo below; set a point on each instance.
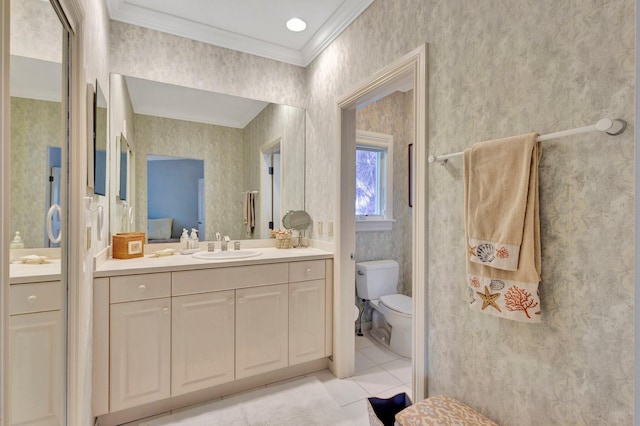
(410, 168)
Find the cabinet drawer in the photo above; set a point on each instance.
(140, 287)
(307, 270)
(205, 280)
(37, 297)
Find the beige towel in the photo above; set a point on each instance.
(503, 227)
(249, 212)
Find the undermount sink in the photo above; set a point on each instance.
(230, 254)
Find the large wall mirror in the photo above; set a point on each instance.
(205, 160)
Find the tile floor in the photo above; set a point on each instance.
(378, 372)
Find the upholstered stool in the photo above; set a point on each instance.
(441, 410)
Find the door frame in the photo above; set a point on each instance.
(413, 65)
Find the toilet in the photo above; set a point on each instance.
(376, 282)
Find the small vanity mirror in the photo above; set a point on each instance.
(297, 220)
(100, 142)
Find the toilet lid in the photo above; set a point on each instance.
(398, 302)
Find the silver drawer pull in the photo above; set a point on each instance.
(32, 298)
(142, 287)
(165, 310)
(241, 300)
(308, 270)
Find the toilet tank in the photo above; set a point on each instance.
(376, 278)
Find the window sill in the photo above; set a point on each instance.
(365, 225)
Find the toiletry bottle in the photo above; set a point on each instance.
(16, 243)
(193, 239)
(184, 239)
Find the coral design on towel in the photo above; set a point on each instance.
(508, 299)
(502, 253)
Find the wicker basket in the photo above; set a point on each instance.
(128, 245)
(283, 241)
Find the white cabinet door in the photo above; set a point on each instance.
(262, 318)
(306, 321)
(202, 345)
(140, 335)
(36, 369)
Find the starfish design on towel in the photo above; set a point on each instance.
(489, 299)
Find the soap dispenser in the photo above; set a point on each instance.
(193, 239)
(16, 243)
(184, 239)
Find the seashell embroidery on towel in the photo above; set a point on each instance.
(486, 252)
(502, 253)
(496, 285)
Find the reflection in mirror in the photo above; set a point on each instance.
(175, 188)
(36, 121)
(233, 137)
(124, 167)
(100, 142)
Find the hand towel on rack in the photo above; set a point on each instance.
(249, 212)
(502, 226)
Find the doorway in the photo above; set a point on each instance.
(270, 188)
(410, 68)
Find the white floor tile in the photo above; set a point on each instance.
(376, 380)
(363, 362)
(363, 341)
(400, 368)
(379, 354)
(343, 391)
(145, 420)
(357, 413)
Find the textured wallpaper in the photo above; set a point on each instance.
(287, 124)
(221, 148)
(499, 68)
(35, 125)
(391, 115)
(35, 30)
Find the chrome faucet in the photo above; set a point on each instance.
(225, 241)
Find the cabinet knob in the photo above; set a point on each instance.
(165, 310)
(308, 270)
(32, 298)
(241, 300)
(231, 301)
(142, 288)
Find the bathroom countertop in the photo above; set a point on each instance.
(20, 273)
(177, 262)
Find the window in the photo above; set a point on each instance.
(374, 181)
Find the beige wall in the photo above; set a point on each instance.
(499, 68)
(221, 148)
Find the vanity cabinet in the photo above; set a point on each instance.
(202, 346)
(262, 324)
(140, 339)
(307, 293)
(36, 354)
(186, 332)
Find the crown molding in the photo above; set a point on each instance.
(120, 10)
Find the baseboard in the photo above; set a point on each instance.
(184, 401)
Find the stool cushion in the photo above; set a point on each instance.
(441, 410)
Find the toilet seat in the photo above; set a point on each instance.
(399, 303)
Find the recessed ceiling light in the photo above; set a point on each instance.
(296, 24)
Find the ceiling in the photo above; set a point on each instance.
(251, 26)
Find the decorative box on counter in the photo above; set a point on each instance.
(128, 245)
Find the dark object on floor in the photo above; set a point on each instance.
(382, 412)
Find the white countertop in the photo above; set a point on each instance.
(20, 273)
(178, 262)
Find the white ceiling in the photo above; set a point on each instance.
(182, 103)
(252, 26)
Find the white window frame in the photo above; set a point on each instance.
(385, 221)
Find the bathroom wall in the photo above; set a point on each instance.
(274, 122)
(35, 125)
(499, 68)
(221, 148)
(391, 115)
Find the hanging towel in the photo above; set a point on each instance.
(249, 212)
(503, 227)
